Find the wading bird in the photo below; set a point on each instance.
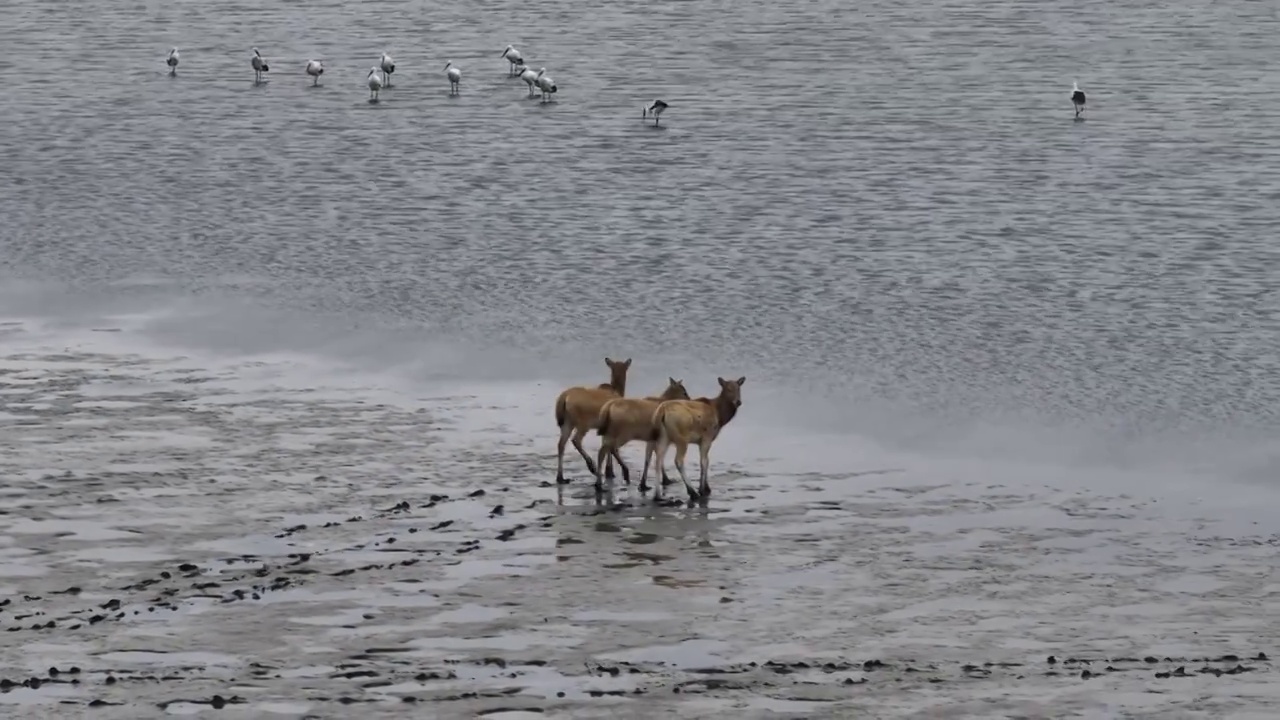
(315, 69)
(388, 66)
(172, 62)
(455, 77)
(259, 64)
(513, 57)
(545, 84)
(375, 84)
(1077, 98)
(528, 76)
(655, 110)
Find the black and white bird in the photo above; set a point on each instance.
(388, 66)
(172, 62)
(259, 64)
(375, 84)
(1077, 98)
(655, 110)
(315, 69)
(513, 57)
(545, 84)
(455, 78)
(530, 77)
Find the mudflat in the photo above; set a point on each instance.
(178, 536)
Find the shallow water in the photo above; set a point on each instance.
(1012, 377)
(393, 557)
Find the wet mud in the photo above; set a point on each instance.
(178, 539)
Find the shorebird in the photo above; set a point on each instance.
(545, 84)
(172, 62)
(655, 110)
(513, 57)
(1077, 98)
(530, 77)
(259, 64)
(455, 77)
(375, 84)
(388, 66)
(315, 69)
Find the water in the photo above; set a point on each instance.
(884, 216)
(891, 202)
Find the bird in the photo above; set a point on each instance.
(545, 84)
(655, 110)
(513, 57)
(1077, 98)
(530, 77)
(455, 77)
(259, 64)
(375, 84)
(172, 62)
(315, 69)
(388, 66)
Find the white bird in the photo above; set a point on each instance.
(455, 77)
(513, 57)
(530, 77)
(315, 69)
(172, 62)
(375, 84)
(545, 84)
(655, 110)
(388, 66)
(259, 64)
(1077, 98)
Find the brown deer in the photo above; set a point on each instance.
(625, 419)
(695, 421)
(578, 410)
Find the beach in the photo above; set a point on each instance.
(184, 533)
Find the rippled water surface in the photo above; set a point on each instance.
(891, 197)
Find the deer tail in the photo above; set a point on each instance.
(561, 411)
(659, 416)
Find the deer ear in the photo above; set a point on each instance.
(672, 380)
(628, 362)
(608, 361)
(721, 381)
(742, 381)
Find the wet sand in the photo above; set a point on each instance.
(179, 535)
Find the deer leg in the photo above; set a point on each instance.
(682, 449)
(660, 452)
(578, 434)
(604, 450)
(704, 460)
(644, 474)
(564, 440)
(626, 472)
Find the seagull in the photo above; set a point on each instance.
(259, 64)
(375, 84)
(315, 69)
(513, 57)
(530, 77)
(455, 77)
(388, 66)
(1077, 98)
(545, 84)
(655, 110)
(173, 61)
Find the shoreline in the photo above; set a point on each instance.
(407, 549)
